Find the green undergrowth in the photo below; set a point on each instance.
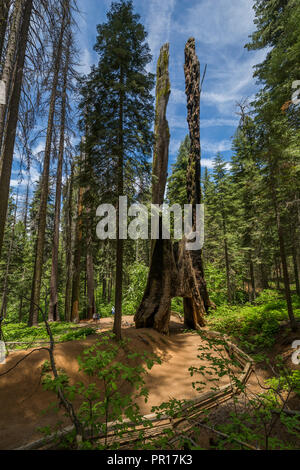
(20, 332)
(255, 326)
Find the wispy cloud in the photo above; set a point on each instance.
(207, 163)
(177, 96)
(86, 61)
(218, 22)
(231, 82)
(180, 122)
(215, 147)
(158, 23)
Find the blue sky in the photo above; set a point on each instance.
(221, 29)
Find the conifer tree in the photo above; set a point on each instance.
(118, 96)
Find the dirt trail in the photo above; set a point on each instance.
(23, 399)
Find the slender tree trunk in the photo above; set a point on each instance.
(25, 219)
(90, 281)
(264, 277)
(53, 310)
(77, 261)
(90, 275)
(295, 263)
(4, 9)
(252, 278)
(39, 249)
(10, 59)
(12, 120)
(104, 289)
(120, 244)
(286, 276)
(227, 264)
(286, 279)
(277, 274)
(8, 261)
(68, 291)
(109, 294)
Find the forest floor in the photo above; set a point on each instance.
(26, 401)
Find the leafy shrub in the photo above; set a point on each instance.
(216, 282)
(177, 305)
(138, 274)
(81, 333)
(255, 326)
(267, 296)
(104, 310)
(21, 332)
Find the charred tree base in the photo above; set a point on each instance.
(174, 272)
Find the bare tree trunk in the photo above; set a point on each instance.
(90, 281)
(200, 298)
(264, 277)
(276, 272)
(77, 261)
(295, 263)
(68, 290)
(104, 289)
(226, 255)
(25, 217)
(109, 293)
(53, 310)
(286, 279)
(26, 203)
(10, 60)
(8, 261)
(174, 271)
(252, 277)
(39, 249)
(4, 9)
(12, 120)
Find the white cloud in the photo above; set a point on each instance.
(86, 61)
(207, 163)
(20, 180)
(231, 81)
(215, 147)
(39, 148)
(220, 22)
(174, 146)
(180, 122)
(159, 25)
(177, 96)
(219, 122)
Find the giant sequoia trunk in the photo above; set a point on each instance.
(175, 271)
